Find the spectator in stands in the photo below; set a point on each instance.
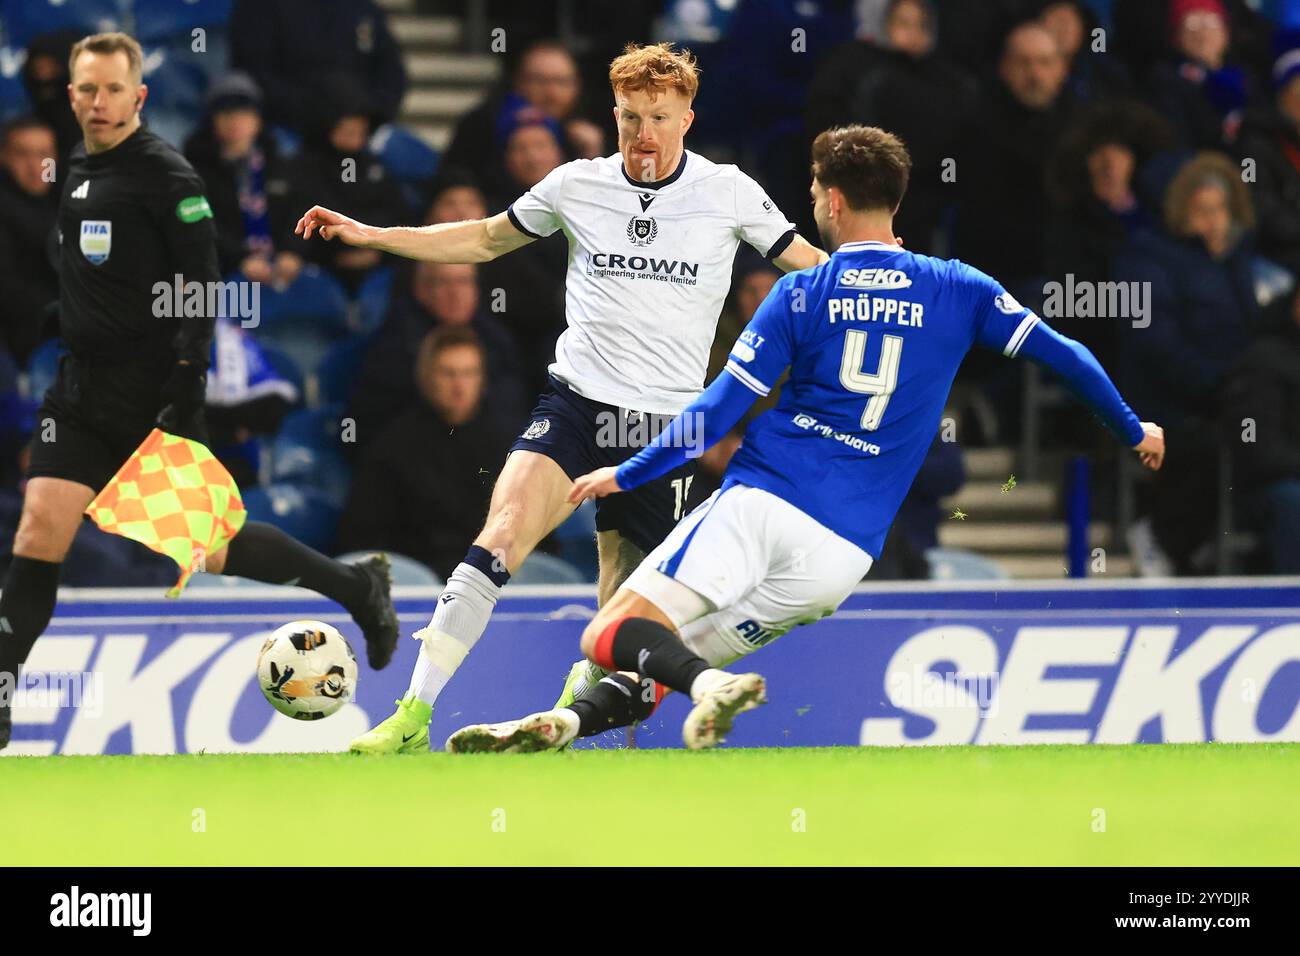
(423, 486)
(247, 189)
(246, 399)
(751, 280)
(45, 74)
(972, 34)
(1002, 163)
(1203, 305)
(528, 287)
(1262, 392)
(1196, 89)
(337, 169)
(544, 86)
(29, 205)
(1270, 139)
(293, 47)
(532, 149)
(1141, 36)
(17, 422)
(1093, 76)
(455, 197)
(434, 295)
(902, 86)
(1096, 204)
(1202, 313)
(916, 530)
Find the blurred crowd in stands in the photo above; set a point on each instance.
(1154, 142)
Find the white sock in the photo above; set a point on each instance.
(707, 681)
(573, 723)
(458, 622)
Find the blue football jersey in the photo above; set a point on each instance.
(873, 339)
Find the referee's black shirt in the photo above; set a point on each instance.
(131, 217)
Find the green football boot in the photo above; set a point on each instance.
(582, 675)
(406, 732)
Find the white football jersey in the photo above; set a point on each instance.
(649, 269)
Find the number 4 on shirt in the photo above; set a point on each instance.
(881, 384)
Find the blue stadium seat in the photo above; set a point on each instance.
(338, 370)
(305, 320)
(25, 19)
(308, 463)
(303, 513)
(177, 79)
(287, 141)
(13, 94)
(162, 19)
(303, 344)
(312, 425)
(696, 21)
(285, 365)
(542, 568)
(249, 452)
(372, 300)
(42, 366)
(404, 570)
(406, 157)
(315, 297)
(948, 564)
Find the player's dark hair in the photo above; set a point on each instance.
(21, 123)
(539, 45)
(448, 337)
(868, 165)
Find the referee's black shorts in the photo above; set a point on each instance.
(95, 415)
(581, 435)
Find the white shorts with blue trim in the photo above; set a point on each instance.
(742, 569)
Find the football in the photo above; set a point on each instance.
(307, 670)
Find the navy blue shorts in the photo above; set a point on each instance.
(581, 435)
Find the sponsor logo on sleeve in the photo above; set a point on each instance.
(193, 208)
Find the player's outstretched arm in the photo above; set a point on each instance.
(1088, 380)
(800, 254)
(474, 240)
(699, 427)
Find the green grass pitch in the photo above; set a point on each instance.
(1205, 804)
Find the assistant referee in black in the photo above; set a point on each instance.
(133, 213)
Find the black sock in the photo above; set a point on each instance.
(26, 604)
(651, 650)
(265, 553)
(615, 701)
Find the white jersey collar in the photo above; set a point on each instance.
(869, 244)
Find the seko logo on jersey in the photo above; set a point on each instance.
(874, 279)
(96, 240)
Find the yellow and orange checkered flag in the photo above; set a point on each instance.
(174, 497)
